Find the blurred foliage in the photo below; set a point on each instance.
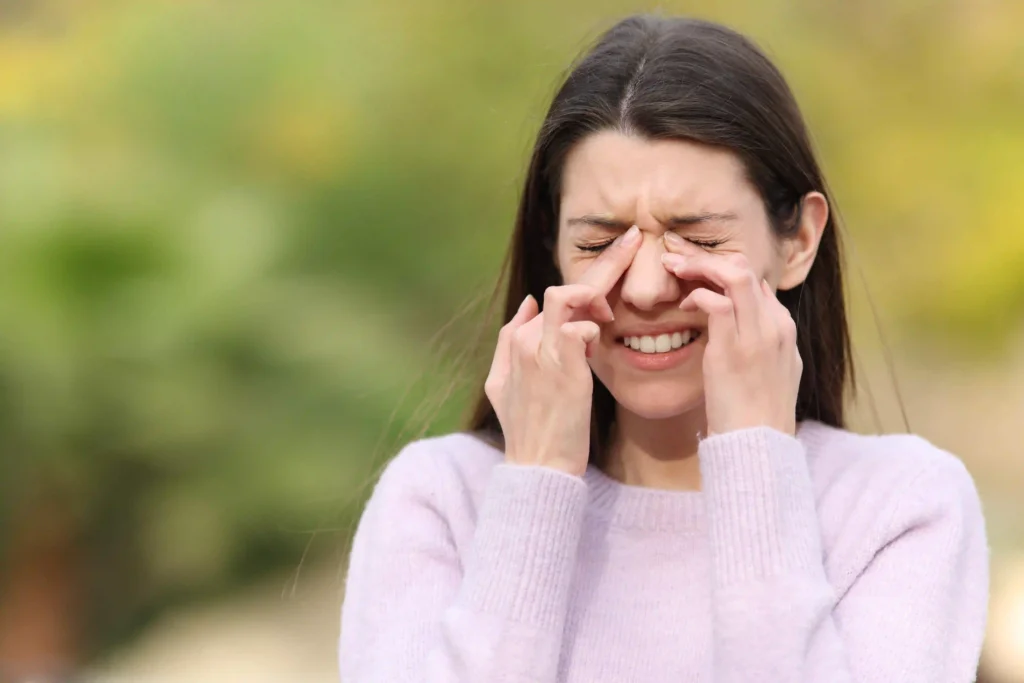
(229, 229)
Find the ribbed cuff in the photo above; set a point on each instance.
(762, 520)
(526, 542)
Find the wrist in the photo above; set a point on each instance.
(785, 423)
(570, 466)
(780, 424)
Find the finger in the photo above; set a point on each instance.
(676, 244)
(577, 340)
(718, 308)
(739, 284)
(503, 350)
(527, 310)
(609, 266)
(525, 344)
(783, 318)
(768, 310)
(561, 303)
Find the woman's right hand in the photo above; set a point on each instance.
(540, 382)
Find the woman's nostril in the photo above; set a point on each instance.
(647, 284)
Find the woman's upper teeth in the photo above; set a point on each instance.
(660, 343)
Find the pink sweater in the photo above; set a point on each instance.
(825, 558)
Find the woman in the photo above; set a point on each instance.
(657, 485)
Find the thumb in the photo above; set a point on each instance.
(582, 334)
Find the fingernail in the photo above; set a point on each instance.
(631, 236)
(525, 301)
(670, 259)
(673, 239)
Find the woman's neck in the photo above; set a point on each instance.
(658, 454)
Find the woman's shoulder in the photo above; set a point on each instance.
(886, 476)
(898, 492)
(442, 465)
(834, 452)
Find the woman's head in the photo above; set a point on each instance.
(680, 126)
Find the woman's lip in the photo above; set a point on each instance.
(659, 361)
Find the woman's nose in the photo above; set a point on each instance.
(647, 283)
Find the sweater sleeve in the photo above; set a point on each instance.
(417, 611)
(915, 612)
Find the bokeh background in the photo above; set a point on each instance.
(245, 244)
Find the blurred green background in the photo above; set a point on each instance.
(243, 244)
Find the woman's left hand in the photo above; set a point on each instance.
(752, 366)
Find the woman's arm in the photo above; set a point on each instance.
(415, 611)
(914, 614)
(418, 609)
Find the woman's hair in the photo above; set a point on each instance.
(685, 79)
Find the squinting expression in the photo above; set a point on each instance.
(612, 181)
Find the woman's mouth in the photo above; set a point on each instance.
(661, 343)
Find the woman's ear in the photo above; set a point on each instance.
(799, 250)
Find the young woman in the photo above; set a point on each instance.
(657, 485)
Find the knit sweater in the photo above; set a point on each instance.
(828, 557)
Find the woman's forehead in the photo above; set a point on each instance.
(618, 174)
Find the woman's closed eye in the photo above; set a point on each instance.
(604, 244)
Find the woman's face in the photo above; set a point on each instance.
(612, 181)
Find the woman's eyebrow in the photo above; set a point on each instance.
(605, 221)
(698, 218)
(601, 221)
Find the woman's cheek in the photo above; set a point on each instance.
(572, 269)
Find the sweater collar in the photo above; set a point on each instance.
(639, 507)
(643, 508)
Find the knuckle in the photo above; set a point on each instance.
(492, 386)
(745, 277)
(789, 329)
(586, 331)
(520, 339)
(580, 292)
(734, 278)
(740, 261)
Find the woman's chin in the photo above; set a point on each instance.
(658, 402)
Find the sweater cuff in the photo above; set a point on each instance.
(760, 504)
(526, 542)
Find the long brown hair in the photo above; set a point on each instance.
(674, 78)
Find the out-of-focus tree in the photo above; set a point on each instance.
(228, 230)
(184, 394)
